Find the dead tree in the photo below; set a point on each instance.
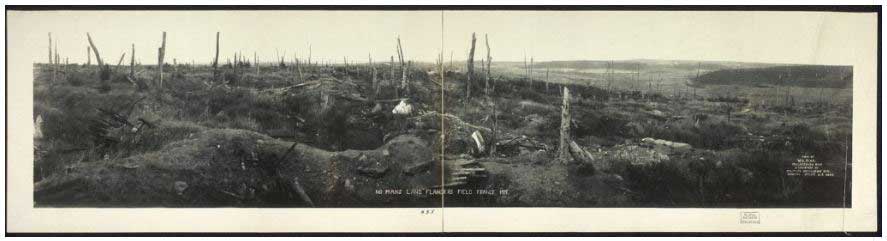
(609, 77)
(391, 70)
(493, 135)
(138, 83)
(451, 66)
(403, 69)
(57, 65)
(216, 61)
(51, 62)
(132, 63)
(98, 58)
(50, 48)
(256, 60)
(637, 76)
(161, 52)
(470, 67)
(298, 67)
(530, 70)
(120, 61)
(526, 67)
(104, 71)
(546, 80)
(374, 81)
(564, 141)
(489, 64)
(698, 66)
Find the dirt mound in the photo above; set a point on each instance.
(228, 167)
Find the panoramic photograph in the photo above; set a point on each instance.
(339, 109)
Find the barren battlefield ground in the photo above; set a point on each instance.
(647, 133)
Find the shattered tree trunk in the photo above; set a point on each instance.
(489, 63)
(50, 48)
(104, 72)
(564, 141)
(120, 61)
(403, 69)
(161, 52)
(51, 62)
(526, 67)
(132, 63)
(493, 135)
(547, 80)
(98, 58)
(698, 66)
(375, 85)
(298, 67)
(216, 61)
(470, 67)
(391, 69)
(57, 65)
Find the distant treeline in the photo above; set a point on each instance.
(631, 64)
(793, 75)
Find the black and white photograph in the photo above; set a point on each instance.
(443, 108)
(296, 126)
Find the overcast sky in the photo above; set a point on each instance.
(776, 37)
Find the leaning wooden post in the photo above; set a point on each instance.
(470, 67)
(216, 61)
(564, 141)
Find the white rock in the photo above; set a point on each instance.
(403, 108)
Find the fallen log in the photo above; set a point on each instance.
(582, 157)
(455, 120)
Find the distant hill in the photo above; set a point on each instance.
(792, 75)
(646, 64)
